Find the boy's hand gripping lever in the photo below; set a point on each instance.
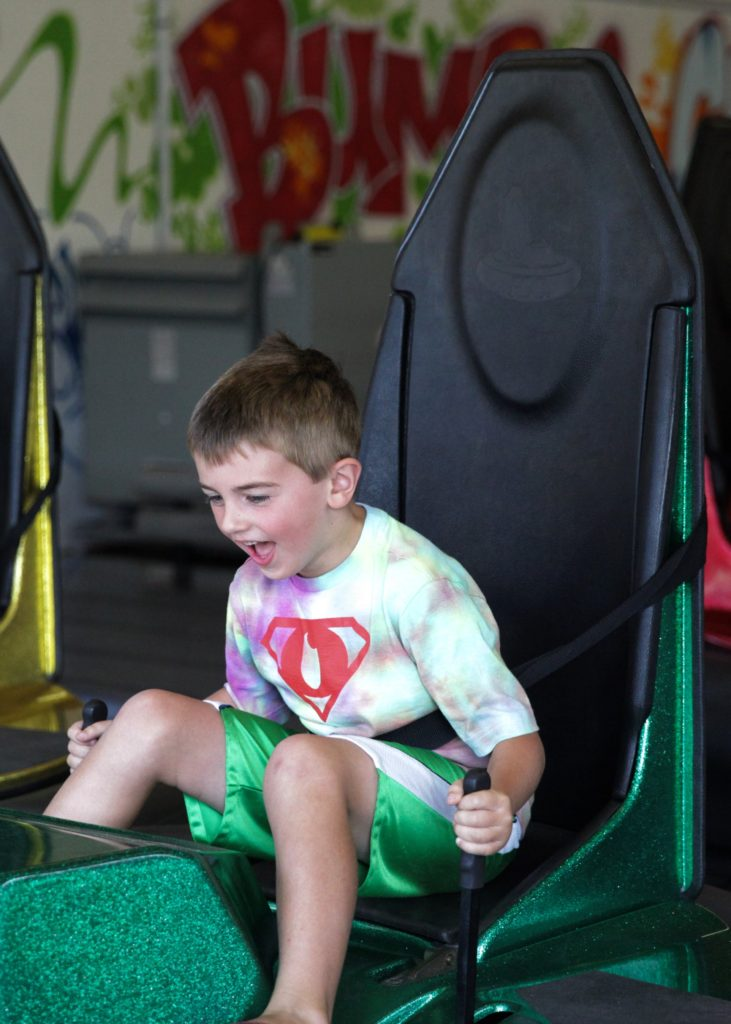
(472, 877)
(94, 711)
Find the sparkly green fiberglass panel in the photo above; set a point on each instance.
(677, 944)
(645, 852)
(101, 925)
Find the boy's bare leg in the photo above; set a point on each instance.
(320, 796)
(156, 737)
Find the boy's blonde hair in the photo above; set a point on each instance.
(295, 401)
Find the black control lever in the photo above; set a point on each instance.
(94, 711)
(472, 878)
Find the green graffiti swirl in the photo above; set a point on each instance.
(59, 34)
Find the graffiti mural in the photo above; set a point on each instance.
(72, 226)
(133, 183)
(333, 121)
(309, 116)
(285, 114)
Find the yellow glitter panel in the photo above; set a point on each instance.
(28, 652)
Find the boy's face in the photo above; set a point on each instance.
(274, 511)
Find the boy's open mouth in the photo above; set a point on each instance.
(262, 552)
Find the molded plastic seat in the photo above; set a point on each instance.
(29, 624)
(528, 399)
(23, 259)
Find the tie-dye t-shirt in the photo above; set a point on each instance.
(396, 630)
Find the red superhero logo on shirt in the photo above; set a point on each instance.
(317, 657)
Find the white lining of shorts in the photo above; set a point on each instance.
(407, 771)
(231, 703)
(414, 776)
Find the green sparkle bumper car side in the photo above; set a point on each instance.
(536, 410)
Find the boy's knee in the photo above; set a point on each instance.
(148, 712)
(321, 763)
(302, 759)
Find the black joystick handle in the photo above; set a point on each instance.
(472, 865)
(94, 711)
(472, 877)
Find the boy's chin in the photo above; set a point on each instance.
(275, 572)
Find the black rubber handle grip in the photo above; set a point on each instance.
(476, 778)
(94, 711)
(472, 865)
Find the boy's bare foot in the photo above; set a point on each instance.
(279, 1017)
(272, 1018)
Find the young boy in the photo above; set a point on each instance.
(343, 625)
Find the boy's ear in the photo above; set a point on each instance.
(344, 477)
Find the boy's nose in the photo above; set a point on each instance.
(233, 519)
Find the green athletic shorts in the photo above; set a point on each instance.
(413, 850)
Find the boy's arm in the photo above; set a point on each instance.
(483, 820)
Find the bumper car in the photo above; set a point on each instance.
(535, 409)
(34, 709)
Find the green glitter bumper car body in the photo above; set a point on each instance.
(541, 358)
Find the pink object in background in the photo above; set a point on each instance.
(717, 588)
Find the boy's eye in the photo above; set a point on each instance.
(257, 499)
(212, 499)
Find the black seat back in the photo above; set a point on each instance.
(524, 407)
(707, 198)
(23, 259)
